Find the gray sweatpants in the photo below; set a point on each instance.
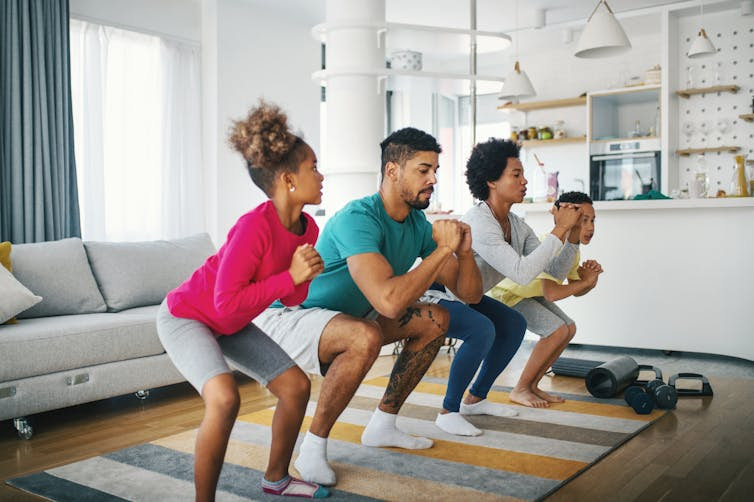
(200, 354)
(542, 317)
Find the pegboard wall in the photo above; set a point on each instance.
(712, 119)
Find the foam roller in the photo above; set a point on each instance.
(608, 379)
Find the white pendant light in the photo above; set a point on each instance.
(517, 83)
(702, 45)
(603, 36)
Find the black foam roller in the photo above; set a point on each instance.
(608, 379)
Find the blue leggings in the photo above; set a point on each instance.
(492, 333)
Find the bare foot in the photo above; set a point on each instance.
(551, 398)
(528, 398)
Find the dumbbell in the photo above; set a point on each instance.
(664, 395)
(638, 399)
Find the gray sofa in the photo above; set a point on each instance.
(93, 335)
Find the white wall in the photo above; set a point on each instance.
(260, 52)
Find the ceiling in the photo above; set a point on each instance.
(638, 17)
(492, 15)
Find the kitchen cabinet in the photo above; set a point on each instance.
(651, 295)
(624, 113)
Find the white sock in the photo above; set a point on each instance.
(454, 423)
(485, 407)
(312, 461)
(381, 431)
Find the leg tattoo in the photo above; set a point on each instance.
(408, 370)
(432, 318)
(410, 313)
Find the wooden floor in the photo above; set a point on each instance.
(704, 450)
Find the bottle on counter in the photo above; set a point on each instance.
(739, 186)
(700, 183)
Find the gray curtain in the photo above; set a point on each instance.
(38, 194)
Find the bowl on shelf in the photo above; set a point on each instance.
(406, 60)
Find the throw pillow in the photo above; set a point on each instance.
(5, 262)
(5, 255)
(134, 274)
(16, 298)
(59, 272)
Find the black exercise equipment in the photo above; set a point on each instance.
(706, 389)
(648, 367)
(608, 379)
(569, 366)
(664, 395)
(638, 399)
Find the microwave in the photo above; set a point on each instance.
(620, 170)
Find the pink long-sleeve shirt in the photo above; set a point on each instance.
(246, 275)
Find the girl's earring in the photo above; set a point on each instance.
(292, 188)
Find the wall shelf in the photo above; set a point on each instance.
(748, 117)
(531, 143)
(487, 41)
(691, 151)
(687, 93)
(323, 75)
(541, 105)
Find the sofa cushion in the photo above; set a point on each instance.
(5, 255)
(133, 274)
(16, 297)
(51, 344)
(59, 272)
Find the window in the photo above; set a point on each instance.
(136, 106)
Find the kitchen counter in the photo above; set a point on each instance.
(679, 275)
(622, 205)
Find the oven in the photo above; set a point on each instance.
(620, 170)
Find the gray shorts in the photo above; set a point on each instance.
(297, 330)
(542, 317)
(200, 354)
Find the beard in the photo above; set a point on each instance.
(414, 201)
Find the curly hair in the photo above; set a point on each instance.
(266, 143)
(575, 198)
(486, 163)
(403, 144)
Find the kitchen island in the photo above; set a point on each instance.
(679, 275)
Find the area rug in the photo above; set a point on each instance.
(526, 457)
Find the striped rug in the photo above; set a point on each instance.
(525, 457)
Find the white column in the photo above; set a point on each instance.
(355, 122)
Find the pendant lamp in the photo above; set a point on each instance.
(517, 83)
(603, 36)
(702, 45)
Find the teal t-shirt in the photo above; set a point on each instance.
(363, 226)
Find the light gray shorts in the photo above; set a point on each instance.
(542, 317)
(200, 354)
(297, 330)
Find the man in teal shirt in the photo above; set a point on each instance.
(368, 296)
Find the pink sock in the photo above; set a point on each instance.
(293, 487)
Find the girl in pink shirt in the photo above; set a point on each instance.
(269, 254)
